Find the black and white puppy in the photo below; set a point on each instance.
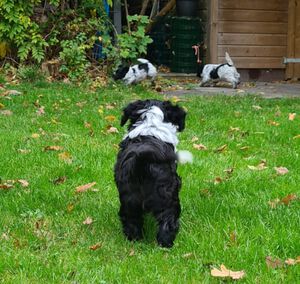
(136, 73)
(145, 171)
(220, 72)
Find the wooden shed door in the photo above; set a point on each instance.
(293, 39)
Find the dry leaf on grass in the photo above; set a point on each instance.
(281, 170)
(274, 123)
(23, 182)
(194, 139)
(6, 112)
(53, 148)
(297, 136)
(292, 116)
(274, 203)
(112, 129)
(221, 149)
(35, 135)
(40, 111)
(257, 107)
(85, 187)
(188, 255)
(96, 246)
(132, 252)
(199, 147)
(5, 186)
(218, 180)
(273, 263)
(291, 261)
(287, 199)
(60, 180)
(261, 166)
(224, 272)
(66, 157)
(110, 118)
(87, 221)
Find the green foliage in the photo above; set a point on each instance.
(35, 32)
(17, 28)
(30, 73)
(73, 56)
(134, 43)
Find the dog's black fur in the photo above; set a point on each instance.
(146, 177)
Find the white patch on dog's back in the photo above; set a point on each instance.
(152, 124)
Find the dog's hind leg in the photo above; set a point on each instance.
(168, 222)
(131, 216)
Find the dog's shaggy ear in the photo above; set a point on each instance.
(132, 113)
(175, 114)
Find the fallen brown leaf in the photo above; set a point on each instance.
(257, 107)
(23, 182)
(188, 255)
(224, 272)
(6, 112)
(132, 252)
(110, 118)
(110, 106)
(281, 170)
(96, 246)
(274, 203)
(112, 129)
(199, 146)
(292, 116)
(217, 180)
(53, 148)
(273, 263)
(291, 261)
(297, 136)
(40, 111)
(70, 207)
(87, 124)
(221, 149)
(261, 166)
(85, 187)
(87, 221)
(35, 135)
(60, 180)
(287, 199)
(274, 123)
(66, 157)
(194, 139)
(5, 186)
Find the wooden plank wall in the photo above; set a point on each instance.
(254, 32)
(293, 41)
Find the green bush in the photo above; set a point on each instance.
(67, 30)
(30, 73)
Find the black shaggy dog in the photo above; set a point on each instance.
(145, 171)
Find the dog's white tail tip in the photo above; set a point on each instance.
(184, 156)
(142, 60)
(228, 58)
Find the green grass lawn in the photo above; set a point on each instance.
(227, 216)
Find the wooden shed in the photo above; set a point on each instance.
(258, 35)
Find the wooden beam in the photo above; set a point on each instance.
(297, 40)
(213, 31)
(291, 38)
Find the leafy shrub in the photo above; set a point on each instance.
(39, 30)
(30, 73)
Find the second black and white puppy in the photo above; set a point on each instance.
(220, 72)
(145, 171)
(136, 73)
